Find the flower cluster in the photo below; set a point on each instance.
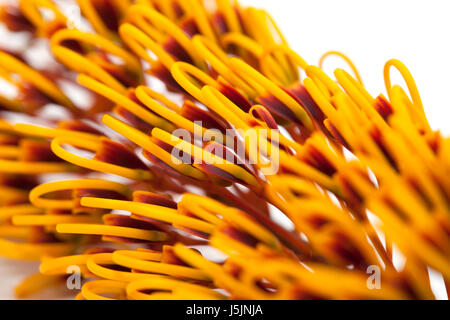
(88, 177)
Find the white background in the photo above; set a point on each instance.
(370, 33)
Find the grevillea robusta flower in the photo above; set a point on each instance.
(93, 174)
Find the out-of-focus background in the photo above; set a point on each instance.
(370, 33)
